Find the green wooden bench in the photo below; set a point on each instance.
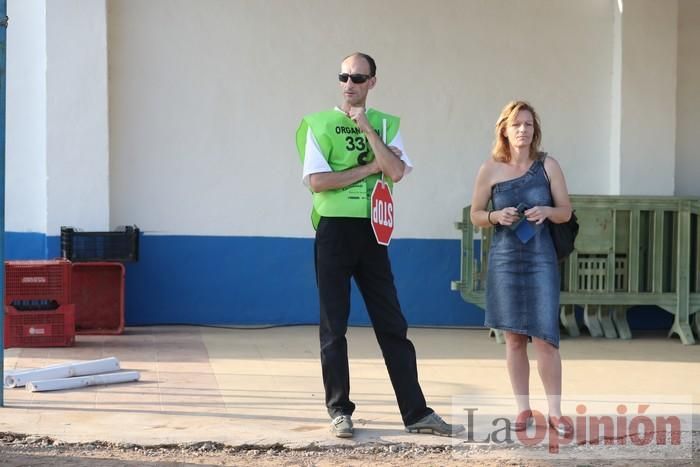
(631, 250)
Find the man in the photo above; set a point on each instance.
(343, 154)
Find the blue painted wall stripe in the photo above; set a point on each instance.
(26, 246)
(260, 280)
(270, 280)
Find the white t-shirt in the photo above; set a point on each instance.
(314, 162)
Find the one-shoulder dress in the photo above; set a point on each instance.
(522, 286)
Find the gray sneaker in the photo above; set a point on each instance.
(341, 426)
(434, 425)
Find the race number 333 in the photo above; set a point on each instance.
(382, 213)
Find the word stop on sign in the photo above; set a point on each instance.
(382, 206)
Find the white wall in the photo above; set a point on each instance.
(77, 115)
(206, 95)
(649, 70)
(25, 195)
(205, 98)
(688, 99)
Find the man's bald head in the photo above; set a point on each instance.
(370, 61)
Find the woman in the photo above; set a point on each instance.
(522, 292)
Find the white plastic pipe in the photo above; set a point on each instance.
(17, 371)
(8, 380)
(83, 381)
(25, 370)
(65, 370)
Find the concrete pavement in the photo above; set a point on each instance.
(263, 387)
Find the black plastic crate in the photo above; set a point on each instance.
(118, 245)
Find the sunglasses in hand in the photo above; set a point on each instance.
(356, 78)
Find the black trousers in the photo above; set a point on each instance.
(346, 248)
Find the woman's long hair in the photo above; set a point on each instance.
(501, 148)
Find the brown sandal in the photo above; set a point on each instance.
(522, 421)
(561, 425)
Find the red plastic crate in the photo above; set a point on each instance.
(97, 291)
(38, 280)
(40, 328)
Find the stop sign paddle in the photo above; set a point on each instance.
(382, 213)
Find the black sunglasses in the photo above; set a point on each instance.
(355, 78)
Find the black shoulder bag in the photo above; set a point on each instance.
(563, 235)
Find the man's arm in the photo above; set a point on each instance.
(319, 176)
(323, 181)
(389, 164)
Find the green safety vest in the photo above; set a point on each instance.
(344, 146)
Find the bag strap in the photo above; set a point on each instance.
(543, 156)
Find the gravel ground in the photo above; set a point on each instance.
(28, 450)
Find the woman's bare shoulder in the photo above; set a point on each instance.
(489, 165)
(485, 172)
(489, 172)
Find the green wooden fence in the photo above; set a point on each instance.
(631, 250)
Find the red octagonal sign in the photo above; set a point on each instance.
(382, 213)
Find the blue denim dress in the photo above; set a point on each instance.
(522, 286)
